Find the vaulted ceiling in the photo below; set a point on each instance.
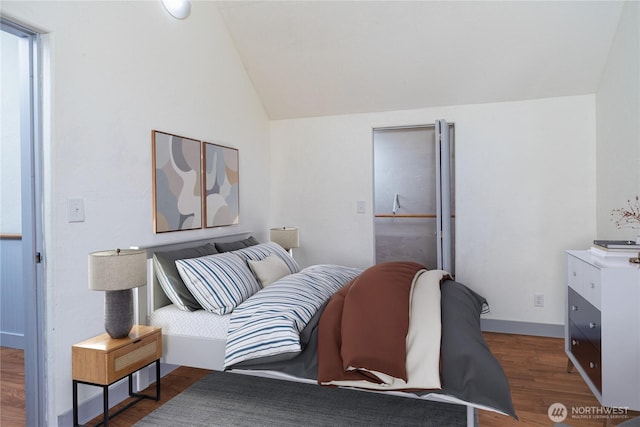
(314, 58)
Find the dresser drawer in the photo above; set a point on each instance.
(135, 356)
(585, 279)
(575, 273)
(589, 357)
(586, 318)
(591, 285)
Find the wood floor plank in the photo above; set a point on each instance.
(12, 406)
(535, 367)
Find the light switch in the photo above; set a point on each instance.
(75, 210)
(361, 207)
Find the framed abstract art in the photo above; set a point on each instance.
(221, 185)
(177, 183)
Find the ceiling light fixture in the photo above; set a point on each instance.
(179, 9)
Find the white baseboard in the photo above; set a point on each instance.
(522, 328)
(12, 340)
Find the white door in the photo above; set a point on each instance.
(26, 117)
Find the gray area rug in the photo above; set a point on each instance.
(228, 399)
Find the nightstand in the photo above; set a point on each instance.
(102, 361)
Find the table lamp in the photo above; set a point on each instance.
(287, 237)
(117, 273)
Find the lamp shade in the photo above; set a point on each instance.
(117, 270)
(287, 237)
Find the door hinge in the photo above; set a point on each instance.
(38, 257)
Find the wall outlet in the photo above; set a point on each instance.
(538, 300)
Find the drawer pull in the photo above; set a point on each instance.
(574, 308)
(575, 342)
(593, 365)
(593, 325)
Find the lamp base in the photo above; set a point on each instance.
(118, 313)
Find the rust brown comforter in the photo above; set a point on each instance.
(365, 324)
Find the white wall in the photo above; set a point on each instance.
(119, 70)
(525, 192)
(618, 135)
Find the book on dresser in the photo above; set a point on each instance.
(603, 252)
(617, 244)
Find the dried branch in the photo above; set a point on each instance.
(628, 216)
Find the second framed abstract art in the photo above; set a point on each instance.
(221, 185)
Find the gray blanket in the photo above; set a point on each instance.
(469, 370)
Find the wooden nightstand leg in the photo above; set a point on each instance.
(130, 381)
(141, 396)
(157, 380)
(105, 402)
(75, 403)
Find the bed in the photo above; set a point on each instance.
(336, 318)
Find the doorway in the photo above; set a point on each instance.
(414, 212)
(21, 226)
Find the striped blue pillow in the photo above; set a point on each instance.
(263, 250)
(218, 282)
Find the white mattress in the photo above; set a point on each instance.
(200, 323)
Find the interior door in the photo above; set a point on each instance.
(25, 117)
(443, 178)
(413, 195)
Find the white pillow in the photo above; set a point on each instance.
(263, 250)
(269, 269)
(218, 282)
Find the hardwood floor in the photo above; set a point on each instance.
(11, 387)
(535, 366)
(537, 371)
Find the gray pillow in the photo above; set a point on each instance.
(234, 246)
(165, 268)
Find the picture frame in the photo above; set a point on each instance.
(221, 184)
(177, 179)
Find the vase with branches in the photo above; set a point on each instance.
(628, 216)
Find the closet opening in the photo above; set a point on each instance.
(414, 211)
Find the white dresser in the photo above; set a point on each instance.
(602, 326)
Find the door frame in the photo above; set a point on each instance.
(449, 132)
(32, 233)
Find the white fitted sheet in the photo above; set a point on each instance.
(200, 323)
